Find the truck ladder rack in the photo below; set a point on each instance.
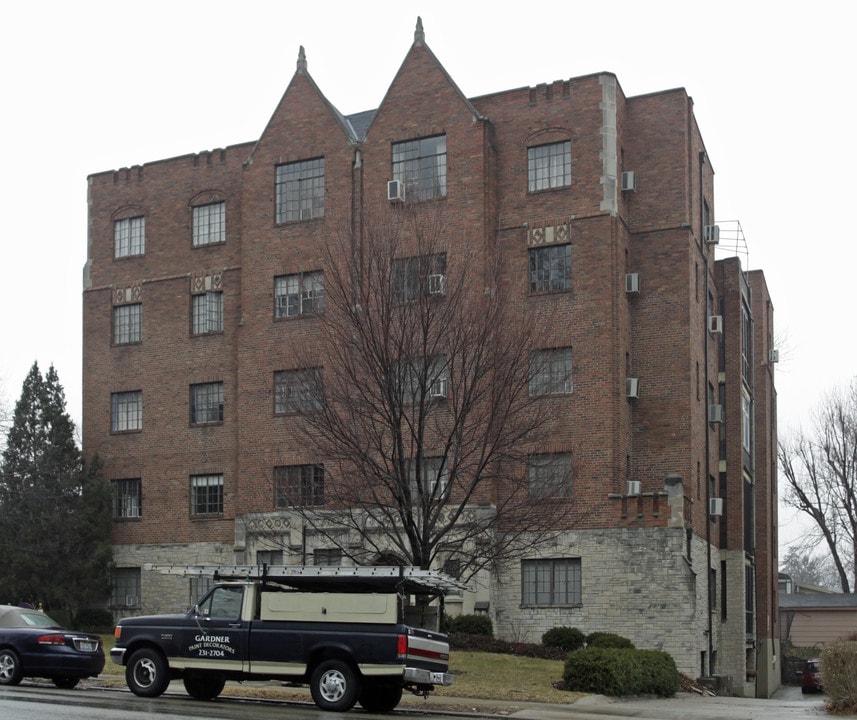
(323, 577)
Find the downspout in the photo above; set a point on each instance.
(707, 479)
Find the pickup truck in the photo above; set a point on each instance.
(353, 634)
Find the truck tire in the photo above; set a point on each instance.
(380, 696)
(204, 687)
(147, 673)
(334, 686)
(11, 671)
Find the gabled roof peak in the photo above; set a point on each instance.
(302, 60)
(419, 33)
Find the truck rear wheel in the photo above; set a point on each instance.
(334, 686)
(147, 673)
(204, 687)
(380, 696)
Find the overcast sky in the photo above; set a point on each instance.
(90, 86)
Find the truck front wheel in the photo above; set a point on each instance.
(380, 696)
(204, 687)
(334, 686)
(147, 673)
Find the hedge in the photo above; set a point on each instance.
(617, 672)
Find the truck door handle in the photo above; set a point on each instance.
(235, 625)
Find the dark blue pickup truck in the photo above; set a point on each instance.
(353, 634)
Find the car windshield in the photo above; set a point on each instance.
(37, 619)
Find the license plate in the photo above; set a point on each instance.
(437, 677)
(87, 645)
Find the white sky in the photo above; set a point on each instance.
(89, 86)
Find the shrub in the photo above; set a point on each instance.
(94, 620)
(839, 673)
(471, 625)
(481, 643)
(564, 638)
(608, 640)
(616, 672)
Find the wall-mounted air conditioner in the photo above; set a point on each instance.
(715, 506)
(629, 180)
(715, 323)
(632, 387)
(773, 356)
(438, 389)
(437, 284)
(632, 282)
(130, 601)
(715, 413)
(711, 234)
(395, 190)
(634, 487)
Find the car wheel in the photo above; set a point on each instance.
(204, 687)
(11, 670)
(380, 696)
(334, 686)
(147, 673)
(64, 682)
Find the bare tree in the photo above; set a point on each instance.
(423, 414)
(809, 568)
(820, 470)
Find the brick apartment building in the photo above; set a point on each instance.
(205, 273)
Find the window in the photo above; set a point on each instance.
(127, 323)
(433, 480)
(550, 372)
(551, 582)
(416, 379)
(550, 476)
(206, 403)
(746, 345)
(299, 485)
(297, 391)
(129, 237)
(125, 587)
(206, 494)
(419, 276)
(199, 586)
(207, 313)
(421, 166)
(328, 557)
(269, 557)
(299, 294)
(746, 422)
(209, 224)
(550, 268)
(223, 602)
(128, 494)
(549, 166)
(300, 190)
(126, 411)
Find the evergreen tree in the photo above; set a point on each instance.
(55, 508)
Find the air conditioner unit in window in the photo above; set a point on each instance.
(634, 487)
(306, 214)
(437, 284)
(632, 282)
(395, 190)
(715, 413)
(715, 323)
(632, 387)
(130, 601)
(773, 356)
(715, 506)
(629, 180)
(711, 234)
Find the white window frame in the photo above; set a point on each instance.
(209, 224)
(549, 166)
(299, 294)
(129, 237)
(207, 312)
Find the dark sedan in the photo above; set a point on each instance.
(34, 645)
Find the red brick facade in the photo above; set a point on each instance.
(658, 334)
